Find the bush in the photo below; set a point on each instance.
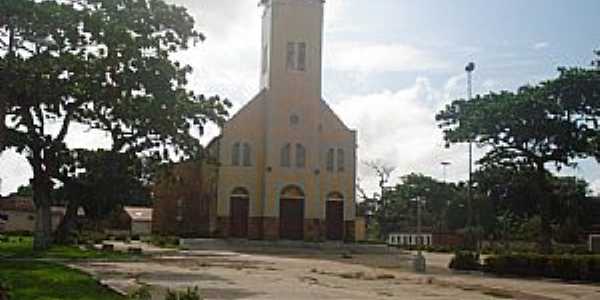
(466, 261)
(165, 241)
(565, 267)
(190, 294)
(19, 233)
(95, 237)
(143, 293)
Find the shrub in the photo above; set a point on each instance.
(190, 294)
(565, 267)
(465, 260)
(85, 237)
(165, 241)
(18, 233)
(143, 293)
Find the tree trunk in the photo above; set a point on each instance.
(543, 195)
(3, 106)
(43, 225)
(43, 222)
(64, 232)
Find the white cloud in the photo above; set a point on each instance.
(369, 57)
(541, 45)
(399, 129)
(14, 172)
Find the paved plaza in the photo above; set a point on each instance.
(312, 274)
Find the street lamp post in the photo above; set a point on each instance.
(469, 69)
(420, 263)
(445, 165)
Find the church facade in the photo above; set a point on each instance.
(286, 162)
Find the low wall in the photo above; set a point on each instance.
(234, 244)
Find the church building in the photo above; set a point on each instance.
(285, 163)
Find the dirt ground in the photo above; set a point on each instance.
(302, 274)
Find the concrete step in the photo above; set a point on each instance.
(240, 244)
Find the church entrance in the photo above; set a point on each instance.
(238, 210)
(291, 214)
(334, 216)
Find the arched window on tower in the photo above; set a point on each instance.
(340, 160)
(246, 155)
(300, 156)
(301, 57)
(330, 158)
(285, 155)
(235, 154)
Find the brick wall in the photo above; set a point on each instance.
(185, 200)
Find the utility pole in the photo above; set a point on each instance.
(469, 69)
(445, 165)
(419, 262)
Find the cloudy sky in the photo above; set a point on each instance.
(389, 66)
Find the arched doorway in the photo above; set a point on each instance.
(334, 216)
(238, 213)
(291, 214)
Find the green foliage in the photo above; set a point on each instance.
(164, 241)
(431, 249)
(25, 191)
(21, 247)
(38, 280)
(466, 261)
(189, 294)
(554, 122)
(143, 293)
(105, 65)
(565, 267)
(91, 237)
(441, 209)
(106, 180)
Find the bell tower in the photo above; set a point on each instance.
(292, 35)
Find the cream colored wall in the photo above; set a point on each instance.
(246, 126)
(25, 221)
(265, 123)
(294, 92)
(335, 134)
(141, 227)
(20, 221)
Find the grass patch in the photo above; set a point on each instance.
(46, 281)
(22, 247)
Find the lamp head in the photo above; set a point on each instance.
(470, 67)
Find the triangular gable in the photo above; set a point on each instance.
(327, 112)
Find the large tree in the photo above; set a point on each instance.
(105, 64)
(555, 122)
(440, 202)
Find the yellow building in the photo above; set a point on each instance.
(287, 162)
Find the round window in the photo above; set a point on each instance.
(294, 119)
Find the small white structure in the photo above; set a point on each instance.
(594, 243)
(409, 239)
(140, 219)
